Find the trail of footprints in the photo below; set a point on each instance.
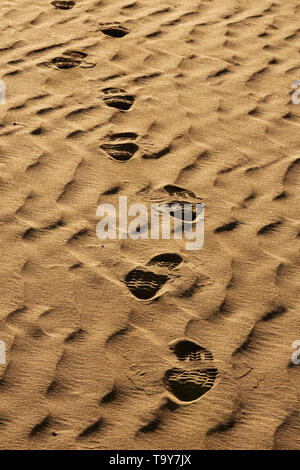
(194, 373)
(186, 385)
(113, 97)
(146, 283)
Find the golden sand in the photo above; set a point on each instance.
(121, 97)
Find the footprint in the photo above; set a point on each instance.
(144, 285)
(71, 59)
(187, 350)
(183, 202)
(63, 5)
(166, 260)
(117, 98)
(181, 211)
(115, 30)
(178, 192)
(182, 197)
(65, 62)
(189, 385)
(121, 151)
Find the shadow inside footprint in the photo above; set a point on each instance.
(121, 152)
(63, 5)
(76, 54)
(176, 191)
(72, 59)
(186, 212)
(124, 136)
(114, 30)
(117, 98)
(189, 385)
(65, 62)
(186, 350)
(144, 284)
(182, 211)
(166, 260)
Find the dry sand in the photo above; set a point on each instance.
(206, 363)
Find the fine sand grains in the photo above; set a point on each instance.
(142, 344)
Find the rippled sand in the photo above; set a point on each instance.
(143, 344)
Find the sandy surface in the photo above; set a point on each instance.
(205, 363)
